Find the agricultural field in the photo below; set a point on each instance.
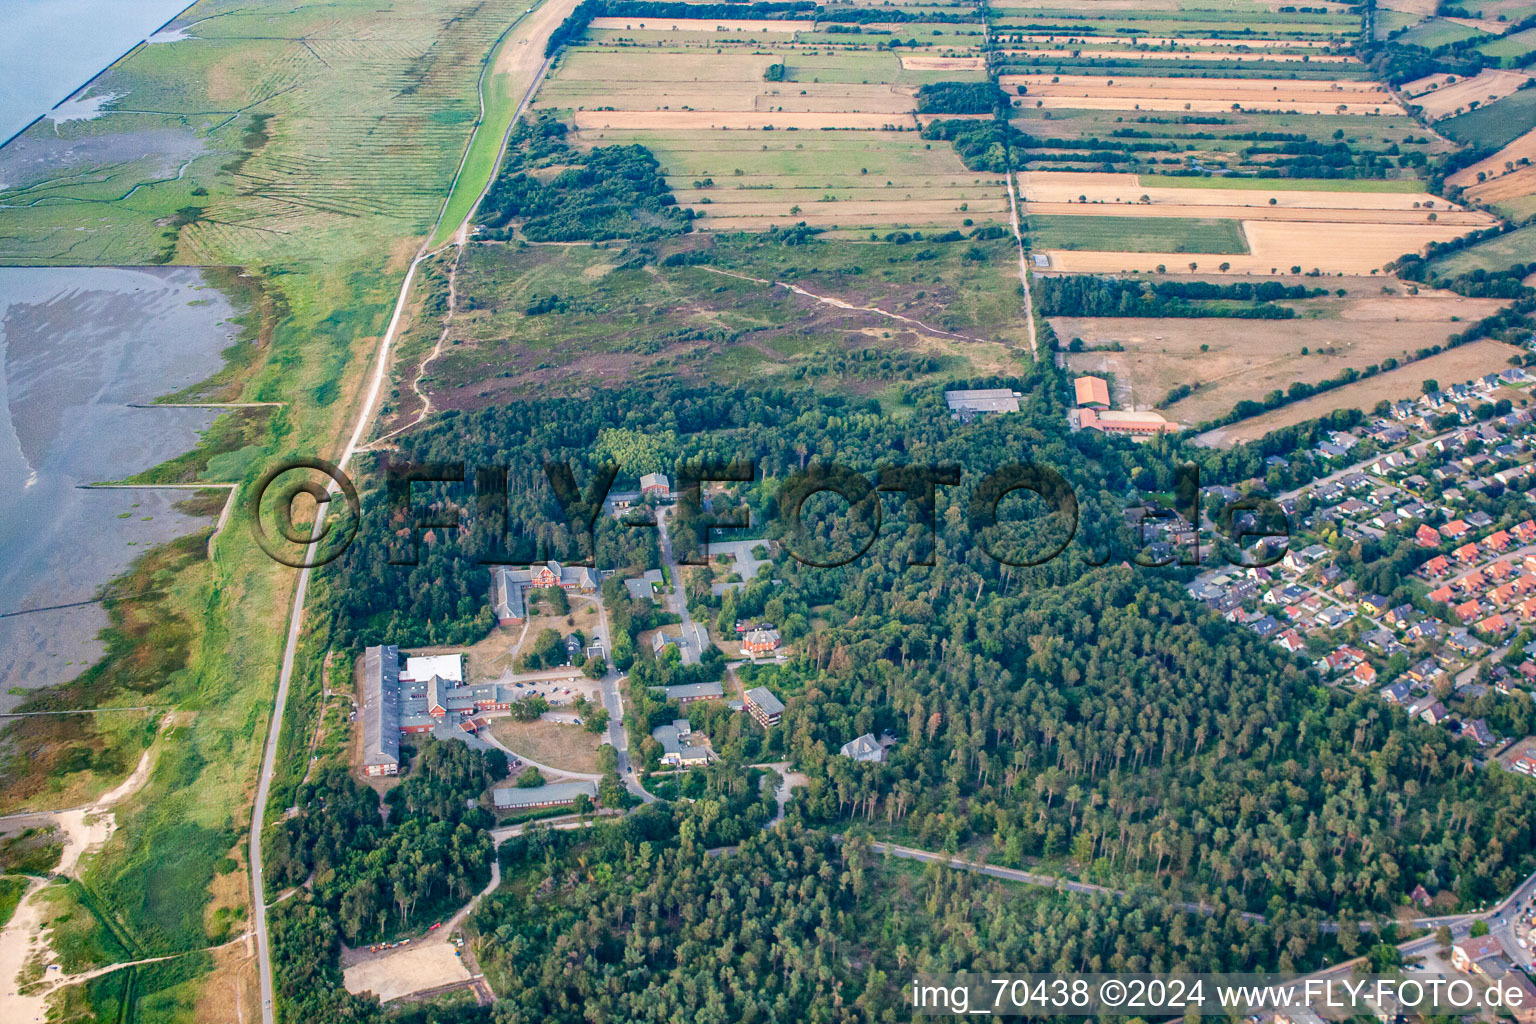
(1203, 95)
(761, 124)
(1494, 124)
(1269, 226)
(1441, 96)
(1512, 247)
(1229, 360)
(1458, 364)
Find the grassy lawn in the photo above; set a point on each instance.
(1281, 184)
(560, 746)
(1494, 254)
(1137, 234)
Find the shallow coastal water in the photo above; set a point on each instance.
(78, 347)
(49, 48)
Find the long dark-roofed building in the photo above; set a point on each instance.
(381, 710)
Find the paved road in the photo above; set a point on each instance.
(613, 700)
(542, 27)
(677, 600)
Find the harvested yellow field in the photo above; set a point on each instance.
(1234, 360)
(1165, 56)
(1470, 219)
(1515, 185)
(1204, 94)
(702, 25)
(1523, 148)
(1423, 8)
(1332, 248)
(732, 120)
(1267, 94)
(780, 211)
(1211, 43)
(918, 62)
(1461, 363)
(1447, 99)
(1073, 186)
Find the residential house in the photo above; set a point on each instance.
(864, 748)
(1478, 732)
(1334, 616)
(760, 641)
(1427, 536)
(1473, 955)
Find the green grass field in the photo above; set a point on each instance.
(1497, 124)
(501, 102)
(1516, 44)
(1495, 254)
(1437, 32)
(1137, 234)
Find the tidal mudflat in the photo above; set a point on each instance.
(79, 347)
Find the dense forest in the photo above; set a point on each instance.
(1055, 712)
(1082, 295)
(606, 192)
(960, 98)
(995, 146)
(378, 878)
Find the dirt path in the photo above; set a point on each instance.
(1018, 237)
(840, 304)
(24, 938)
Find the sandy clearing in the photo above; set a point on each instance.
(702, 25)
(734, 120)
(1485, 87)
(1331, 247)
(1164, 55)
(84, 828)
(413, 968)
(918, 62)
(1293, 214)
(20, 942)
(1522, 148)
(1120, 190)
(1461, 363)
